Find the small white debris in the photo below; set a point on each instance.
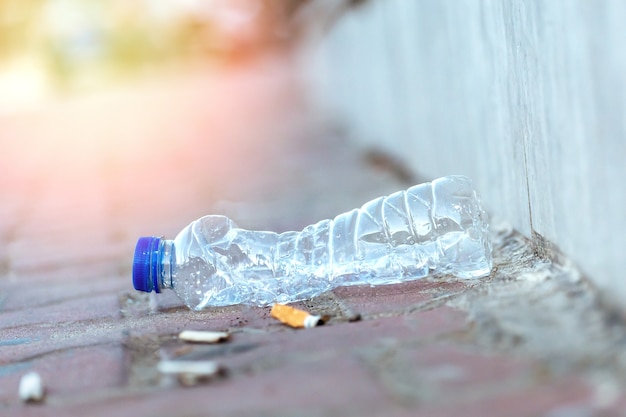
(199, 336)
(188, 367)
(31, 387)
(190, 372)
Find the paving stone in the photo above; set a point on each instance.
(416, 295)
(67, 373)
(90, 307)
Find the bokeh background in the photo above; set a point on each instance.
(120, 119)
(49, 46)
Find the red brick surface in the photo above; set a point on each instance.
(83, 177)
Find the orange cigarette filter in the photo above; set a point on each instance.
(294, 317)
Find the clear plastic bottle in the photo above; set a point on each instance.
(437, 227)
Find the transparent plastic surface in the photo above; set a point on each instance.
(437, 227)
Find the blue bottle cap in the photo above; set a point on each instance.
(146, 264)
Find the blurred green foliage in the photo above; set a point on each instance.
(73, 39)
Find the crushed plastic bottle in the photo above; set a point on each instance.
(431, 228)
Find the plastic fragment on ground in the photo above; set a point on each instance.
(31, 387)
(295, 317)
(190, 372)
(200, 336)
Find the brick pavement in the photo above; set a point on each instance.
(83, 177)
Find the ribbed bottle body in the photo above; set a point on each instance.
(437, 227)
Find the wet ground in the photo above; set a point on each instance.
(82, 177)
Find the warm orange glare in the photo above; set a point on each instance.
(121, 118)
(202, 119)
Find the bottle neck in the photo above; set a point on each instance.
(167, 264)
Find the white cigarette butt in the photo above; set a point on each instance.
(190, 372)
(204, 368)
(31, 387)
(199, 336)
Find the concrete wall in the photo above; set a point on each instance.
(526, 97)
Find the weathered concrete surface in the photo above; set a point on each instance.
(81, 179)
(527, 98)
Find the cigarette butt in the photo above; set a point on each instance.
(31, 387)
(191, 373)
(294, 317)
(206, 368)
(199, 336)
